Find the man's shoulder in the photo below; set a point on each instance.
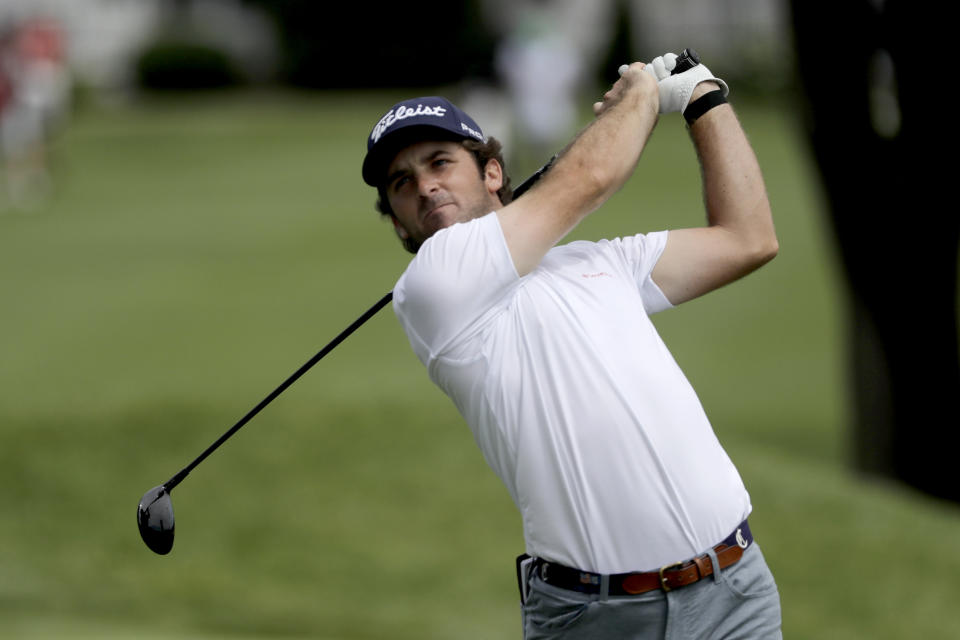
(458, 274)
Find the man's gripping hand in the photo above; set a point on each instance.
(632, 82)
(675, 90)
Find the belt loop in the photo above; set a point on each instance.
(604, 587)
(715, 563)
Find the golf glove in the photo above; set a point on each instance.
(675, 91)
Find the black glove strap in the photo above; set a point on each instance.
(703, 104)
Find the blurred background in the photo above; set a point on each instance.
(183, 223)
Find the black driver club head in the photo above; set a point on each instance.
(155, 520)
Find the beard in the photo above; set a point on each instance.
(475, 206)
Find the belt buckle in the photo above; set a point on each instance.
(663, 578)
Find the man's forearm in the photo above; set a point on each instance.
(591, 169)
(734, 192)
(610, 147)
(739, 236)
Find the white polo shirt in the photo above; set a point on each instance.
(572, 396)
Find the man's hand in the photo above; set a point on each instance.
(676, 90)
(631, 77)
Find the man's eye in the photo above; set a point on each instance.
(400, 182)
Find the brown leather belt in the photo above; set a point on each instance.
(669, 577)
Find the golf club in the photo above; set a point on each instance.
(155, 510)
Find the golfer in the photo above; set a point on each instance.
(634, 517)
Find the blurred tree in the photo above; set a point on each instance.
(385, 44)
(872, 72)
(184, 65)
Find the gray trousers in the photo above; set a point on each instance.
(739, 602)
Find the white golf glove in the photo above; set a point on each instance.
(675, 90)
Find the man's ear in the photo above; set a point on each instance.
(402, 233)
(493, 176)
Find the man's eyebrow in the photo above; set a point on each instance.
(433, 156)
(425, 160)
(393, 176)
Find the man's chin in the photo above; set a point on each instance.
(438, 219)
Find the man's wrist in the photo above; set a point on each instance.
(704, 87)
(706, 101)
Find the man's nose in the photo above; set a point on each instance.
(427, 185)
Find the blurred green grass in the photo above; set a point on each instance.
(199, 250)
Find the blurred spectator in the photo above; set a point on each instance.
(549, 52)
(540, 72)
(34, 101)
(546, 53)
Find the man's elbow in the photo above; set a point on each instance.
(762, 245)
(591, 185)
(762, 250)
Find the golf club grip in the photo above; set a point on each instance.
(529, 182)
(687, 60)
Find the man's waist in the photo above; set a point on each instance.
(671, 576)
(636, 534)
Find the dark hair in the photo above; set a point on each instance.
(482, 152)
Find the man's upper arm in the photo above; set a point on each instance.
(697, 261)
(739, 236)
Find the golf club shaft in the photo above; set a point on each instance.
(369, 313)
(688, 58)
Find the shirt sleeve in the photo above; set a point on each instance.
(642, 252)
(458, 278)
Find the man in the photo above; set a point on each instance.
(633, 515)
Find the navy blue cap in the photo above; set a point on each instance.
(414, 120)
